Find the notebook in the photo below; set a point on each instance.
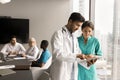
(4, 72)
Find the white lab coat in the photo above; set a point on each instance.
(32, 53)
(17, 47)
(63, 58)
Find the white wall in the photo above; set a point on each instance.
(46, 16)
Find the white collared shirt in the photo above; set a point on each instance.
(32, 52)
(9, 47)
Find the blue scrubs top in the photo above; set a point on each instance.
(44, 56)
(91, 47)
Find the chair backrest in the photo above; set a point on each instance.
(2, 56)
(37, 71)
(48, 63)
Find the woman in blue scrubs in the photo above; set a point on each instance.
(90, 47)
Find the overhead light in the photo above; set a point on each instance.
(4, 1)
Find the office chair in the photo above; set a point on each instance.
(41, 73)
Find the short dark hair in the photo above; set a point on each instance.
(76, 17)
(13, 36)
(87, 24)
(45, 43)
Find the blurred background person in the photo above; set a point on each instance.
(33, 51)
(13, 48)
(44, 56)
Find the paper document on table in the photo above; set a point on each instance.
(83, 63)
(4, 72)
(7, 66)
(17, 58)
(11, 55)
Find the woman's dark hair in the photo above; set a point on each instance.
(44, 43)
(87, 24)
(76, 17)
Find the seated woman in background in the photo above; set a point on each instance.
(33, 51)
(90, 48)
(44, 56)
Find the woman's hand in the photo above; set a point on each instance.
(91, 59)
(90, 62)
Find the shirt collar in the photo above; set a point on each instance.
(15, 44)
(45, 50)
(67, 31)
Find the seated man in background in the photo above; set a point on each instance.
(33, 51)
(13, 48)
(44, 56)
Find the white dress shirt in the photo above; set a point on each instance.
(16, 48)
(32, 52)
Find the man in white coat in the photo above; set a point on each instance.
(65, 50)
